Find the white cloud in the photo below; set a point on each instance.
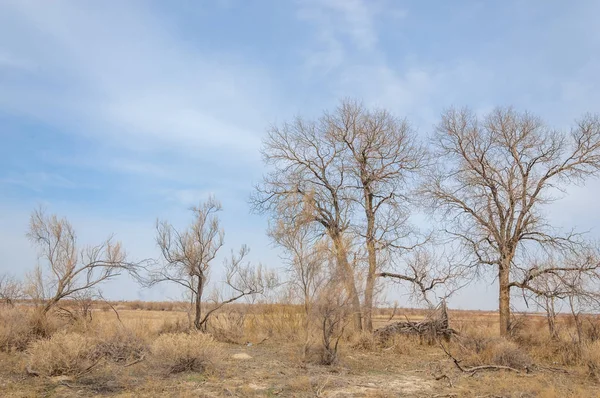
(120, 73)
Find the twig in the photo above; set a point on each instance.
(134, 362)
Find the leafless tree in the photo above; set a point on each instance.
(11, 289)
(306, 255)
(494, 177)
(308, 184)
(430, 276)
(188, 254)
(574, 280)
(65, 270)
(332, 311)
(188, 257)
(382, 156)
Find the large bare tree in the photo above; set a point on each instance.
(494, 177)
(308, 183)
(382, 156)
(66, 270)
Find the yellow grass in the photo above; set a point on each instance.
(261, 350)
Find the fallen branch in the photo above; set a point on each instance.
(134, 362)
(475, 369)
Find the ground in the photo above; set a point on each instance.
(274, 368)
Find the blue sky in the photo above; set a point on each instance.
(115, 113)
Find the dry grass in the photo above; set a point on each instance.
(181, 352)
(62, 354)
(111, 356)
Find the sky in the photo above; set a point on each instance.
(117, 113)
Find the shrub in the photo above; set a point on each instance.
(15, 329)
(363, 341)
(591, 358)
(177, 326)
(121, 345)
(62, 354)
(179, 352)
(507, 353)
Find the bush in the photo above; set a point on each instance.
(363, 342)
(177, 326)
(179, 352)
(121, 345)
(507, 353)
(15, 329)
(62, 354)
(591, 358)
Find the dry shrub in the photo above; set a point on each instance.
(363, 341)
(557, 352)
(179, 352)
(507, 353)
(277, 321)
(479, 349)
(15, 329)
(177, 326)
(121, 345)
(62, 354)
(591, 358)
(404, 345)
(227, 327)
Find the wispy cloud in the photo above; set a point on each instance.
(121, 74)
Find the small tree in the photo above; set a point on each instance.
(188, 257)
(305, 255)
(67, 271)
(10, 289)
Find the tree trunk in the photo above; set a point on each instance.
(198, 303)
(348, 276)
(504, 298)
(551, 316)
(372, 256)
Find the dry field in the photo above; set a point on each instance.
(259, 351)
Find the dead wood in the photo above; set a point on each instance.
(435, 326)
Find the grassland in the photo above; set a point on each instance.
(147, 350)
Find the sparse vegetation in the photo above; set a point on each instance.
(340, 194)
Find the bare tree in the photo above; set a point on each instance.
(494, 177)
(11, 289)
(66, 270)
(188, 257)
(382, 157)
(305, 254)
(431, 277)
(308, 184)
(574, 279)
(188, 253)
(332, 311)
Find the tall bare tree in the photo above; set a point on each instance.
(495, 176)
(382, 156)
(308, 184)
(188, 257)
(66, 270)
